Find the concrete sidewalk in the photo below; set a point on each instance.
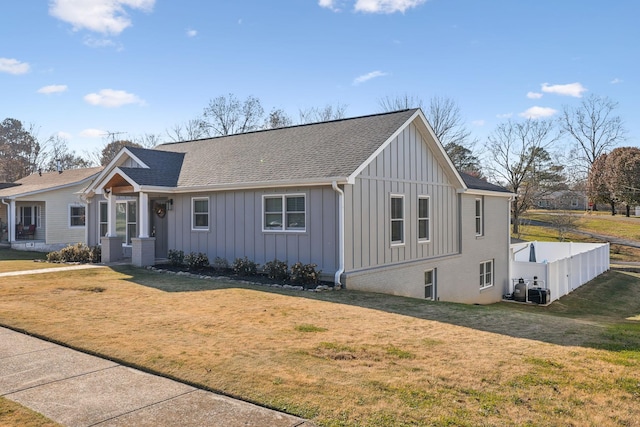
(77, 389)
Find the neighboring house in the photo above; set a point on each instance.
(374, 201)
(45, 212)
(562, 200)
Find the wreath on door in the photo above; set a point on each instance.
(160, 209)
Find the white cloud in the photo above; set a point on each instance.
(538, 112)
(102, 16)
(373, 6)
(504, 115)
(192, 33)
(571, 89)
(386, 6)
(616, 81)
(478, 122)
(366, 77)
(93, 133)
(534, 95)
(97, 43)
(64, 135)
(112, 98)
(47, 90)
(13, 66)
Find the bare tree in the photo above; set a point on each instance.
(148, 140)
(228, 115)
(594, 128)
(400, 102)
(597, 186)
(445, 118)
(57, 152)
(277, 118)
(519, 159)
(326, 113)
(190, 130)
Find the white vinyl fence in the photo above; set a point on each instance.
(559, 267)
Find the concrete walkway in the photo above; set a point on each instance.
(77, 389)
(51, 270)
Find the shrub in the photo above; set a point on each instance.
(277, 270)
(304, 274)
(73, 253)
(196, 261)
(244, 267)
(54, 257)
(221, 264)
(176, 258)
(96, 254)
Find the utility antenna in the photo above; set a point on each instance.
(112, 135)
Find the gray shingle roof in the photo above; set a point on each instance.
(315, 151)
(164, 167)
(480, 184)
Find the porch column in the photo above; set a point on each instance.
(144, 215)
(111, 243)
(11, 221)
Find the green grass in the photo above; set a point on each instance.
(7, 254)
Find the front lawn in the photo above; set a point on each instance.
(346, 358)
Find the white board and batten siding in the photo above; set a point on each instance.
(236, 228)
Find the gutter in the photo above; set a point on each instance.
(336, 279)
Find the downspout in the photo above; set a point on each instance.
(8, 220)
(336, 279)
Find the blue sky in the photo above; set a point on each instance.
(80, 68)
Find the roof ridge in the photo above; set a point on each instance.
(290, 127)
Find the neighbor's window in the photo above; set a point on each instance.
(486, 274)
(429, 284)
(200, 217)
(397, 220)
(76, 216)
(423, 219)
(126, 220)
(104, 219)
(478, 216)
(285, 212)
(29, 215)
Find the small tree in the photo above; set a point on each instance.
(227, 115)
(563, 222)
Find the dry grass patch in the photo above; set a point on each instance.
(15, 415)
(339, 358)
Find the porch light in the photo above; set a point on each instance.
(170, 204)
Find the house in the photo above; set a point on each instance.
(563, 200)
(44, 211)
(374, 201)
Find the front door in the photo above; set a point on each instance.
(159, 227)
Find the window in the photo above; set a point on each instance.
(429, 284)
(103, 219)
(423, 219)
(76, 216)
(126, 224)
(397, 220)
(284, 212)
(29, 215)
(200, 217)
(486, 274)
(478, 217)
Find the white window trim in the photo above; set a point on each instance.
(493, 273)
(193, 214)
(476, 217)
(428, 218)
(404, 220)
(100, 222)
(284, 228)
(71, 206)
(35, 217)
(433, 284)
